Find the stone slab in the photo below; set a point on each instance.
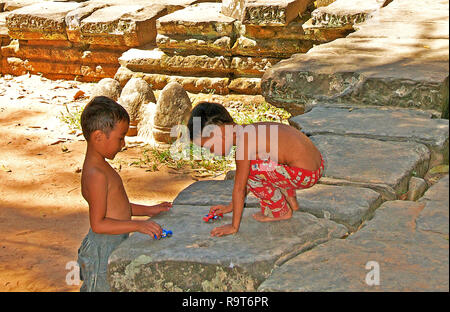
(262, 12)
(194, 45)
(44, 20)
(121, 25)
(218, 85)
(406, 71)
(362, 162)
(435, 216)
(251, 66)
(377, 123)
(275, 48)
(346, 205)
(245, 85)
(156, 61)
(191, 260)
(408, 260)
(203, 19)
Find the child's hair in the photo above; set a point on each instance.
(209, 114)
(102, 113)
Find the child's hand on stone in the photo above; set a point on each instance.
(218, 209)
(223, 230)
(150, 228)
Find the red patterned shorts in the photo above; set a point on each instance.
(271, 182)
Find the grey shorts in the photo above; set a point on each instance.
(93, 257)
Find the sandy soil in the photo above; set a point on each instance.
(43, 217)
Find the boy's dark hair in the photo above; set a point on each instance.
(102, 113)
(209, 114)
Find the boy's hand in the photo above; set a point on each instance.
(223, 230)
(220, 209)
(150, 228)
(157, 209)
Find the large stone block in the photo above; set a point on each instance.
(262, 12)
(191, 260)
(44, 20)
(374, 68)
(435, 216)
(362, 162)
(156, 61)
(198, 29)
(407, 259)
(378, 123)
(121, 25)
(346, 205)
(191, 84)
(251, 66)
(274, 48)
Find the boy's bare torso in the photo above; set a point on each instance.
(291, 147)
(117, 203)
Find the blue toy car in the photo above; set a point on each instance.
(165, 233)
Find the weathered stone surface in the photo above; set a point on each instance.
(262, 12)
(198, 29)
(188, 45)
(416, 188)
(378, 123)
(134, 94)
(190, 84)
(193, 261)
(405, 71)
(275, 48)
(155, 60)
(362, 162)
(121, 25)
(408, 259)
(172, 109)
(344, 13)
(107, 87)
(62, 51)
(251, 66)
(44, 20)
(346, 205)
(202, 19)
(435, 216)
(250, 86)
(210, 193)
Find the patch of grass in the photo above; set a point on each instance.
(209, 165)
(72, 117)
(261, 112)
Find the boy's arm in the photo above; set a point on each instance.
(96, 195)
(142, 210)
(239, 194)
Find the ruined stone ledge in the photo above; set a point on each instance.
(262, 13)
(44, 20)
(202, 19)
(194, 45)
(156, 61)
(275, 48)
(379, 123)
(190, 84)
(191, 260)
(362, 162)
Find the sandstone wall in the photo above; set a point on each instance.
(205, 45)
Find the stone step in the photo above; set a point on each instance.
(346, 205)
(362, 162)
(407, 71)
(379, 123)
(407, 245)
(192, 260)
(264, 12)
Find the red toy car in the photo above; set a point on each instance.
(212, 217)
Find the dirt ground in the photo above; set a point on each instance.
(43, 217)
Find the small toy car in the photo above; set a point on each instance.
(165, 233)
(211, 217)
